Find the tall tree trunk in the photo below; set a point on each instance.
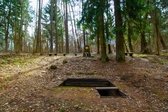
(156, 29)
(156, 25)
(15, 37)
(66, 27)
(107, 37)
(7, 29)
(104, 57)
(56, 35)
(79, 46)
(51, 25)
(107, 28)
(38, 42)
(129, 37)
(6, 35)
(20, 43)
(109, 49)
(157, 39)
(75, 45)
(62, 43)
(162, 41)
(84, 36)
(120, 50)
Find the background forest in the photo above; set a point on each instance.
(66, 26)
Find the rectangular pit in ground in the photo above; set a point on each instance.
(110, 92)
(86, 82)
(104, 87)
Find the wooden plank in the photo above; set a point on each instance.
(103, 88)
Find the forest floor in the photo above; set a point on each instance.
(31, 84)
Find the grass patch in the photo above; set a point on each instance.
(141, 55)
(16, 60)
(164, 53)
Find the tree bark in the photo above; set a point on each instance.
(156, 27)
(7, 29)
(6, 35)
(38, 42)
(104, 57)
(143, 43)
(84, 36)
(56, 35)
(162, 41)
(98, 43)
(129, 37)
(66, 27)
(120, 50)
(51, 25)
(157, 39)
(109, 49)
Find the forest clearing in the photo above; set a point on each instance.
(83, 56)
(35, 88)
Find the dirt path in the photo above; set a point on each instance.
(144, 83)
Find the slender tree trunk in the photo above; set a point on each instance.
(15, 37)
(75, 46)
(109, 49)
(107, 29)
(101, 28)
(156, 30)
(20, 40)
(66, 27)
(79, 46)
(120, 50)
(157, 39)
(84, 36)
(98, 43)
(129, 37)
(56, 35)
(7, 29)
(107, 37)
(62, 43)
(162, 41)
(6, 35)
(38, 42)
(51, 25)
